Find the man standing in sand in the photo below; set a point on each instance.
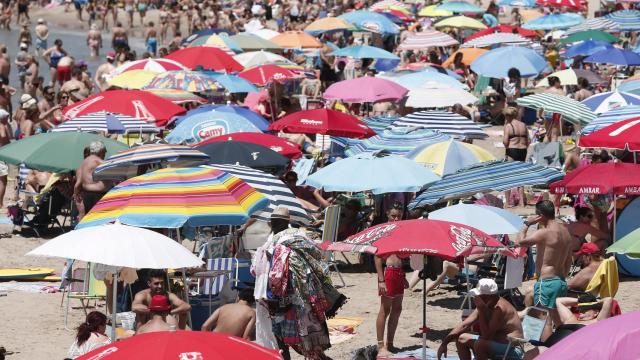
(159, 309)
(94, 41)
(553, 258)
(104, 70)
(5, 138)
(143, 299)
(87, 189)
(237, 319)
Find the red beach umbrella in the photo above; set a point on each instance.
(280, 145)
(265, 74)
(619, 178)
(207, 57)
(323, 121)
(621, 135)
(502, 28)
(571, 4)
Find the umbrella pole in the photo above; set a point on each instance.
(466, 270)
(186, 286)
(114, 303)
(424, 307)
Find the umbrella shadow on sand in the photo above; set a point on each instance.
(432, 335)
(447, 303)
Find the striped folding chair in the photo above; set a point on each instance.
(214, 286)
(330, 234)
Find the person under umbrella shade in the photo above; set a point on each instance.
(205, 57)
(323, 121)
(280, 145)
(245, 153)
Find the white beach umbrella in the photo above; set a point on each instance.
(437, 96)
(257, 58)
(489, 219)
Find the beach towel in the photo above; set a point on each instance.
(604, 282)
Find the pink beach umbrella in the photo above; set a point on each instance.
(365, 89)
(613, 338)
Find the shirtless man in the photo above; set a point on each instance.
(496, 319)
(237, 319)
(120, 38)
(582, 227)
(47, 106)
(140, 305)
(391, 285)
(94, 41)
(159, 308)
(553, 257)
(150, 38)
(31, 74)
(590, 260)
(85, 188)
(42, 34)
(5, 138)
(142, 10)
(5, 63)
(104, 70)
(75, 87)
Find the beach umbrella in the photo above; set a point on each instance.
(365, 51)
(397, 141)
(597, 35)
(614, 56)
(280, 145)
(461, 22)
(586, 48)
(616, 178)
(627, 20)
(174, 197)
(232, 83)
(434, 95)
(398, 17)
(257, 41)
(517, 3)
(419, 79)
(611, 117)
(106, 122)
(222, 41)
(607, 101)
(296, 40)
(206, 58)
(569, 4)
(192, 81)
(503, 28)
(376, 172)
(425, 39)
(448, 157)
(570, 77)
(570, 109)
(266, 74)
(202, 125)
(555, 21)
(264, 33)
(460, 7)
(388, 4)
(257, 58)
(371, 21)
(632, 86)
(132, 79)
(486, 177)
(135, 103)
(629, 245)
(255, 118)
(379, 123)
(153, 65)
(323, 121)
(244, 153)
(327, 24)
(277, 192)
(433, 11)
(131, 162)
(468, 56)
(594, 24)
(622, 135)
(488, 219)
(454, 125)
(497, 62)
(177, 96)
(496, 39)
(365, 89)
(59, 152)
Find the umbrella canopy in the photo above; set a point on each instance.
(588, 47)
(497, 62)
(461, 22)
(632, 86)
(323, 121)
(182, 345)
(517, 3)
(607, 101)
(503, 28)
(469, 55)
(106, 122)
(257, 41)
(433, 11)
(594, 24)
(371, 21)
(425, 39)
(485, 177)
(177, 96)
(418, 79)
(627, 20)
(496, 39)
(221, 41)
(365, 89)
(454, 125)
(135, 103)
(629, 245)
(379, 123)
(244, 153)
(127, 163)
(554, 21)
(257, 58)
(280, 145)
(153, 65)
(205, 57)
(616, 178)
(612, 338)
(192, 81)
(264, 33)
(570, 4)
(621, 135)
(376, 172)
(327, 24)
(433, 95)
(203, 125)
(172, 198)
(460, 7)
(212, 110)
(448, 157)
(59, 152)
(266, 74)
(589, 35)
(570, 109)
(398, 141)
(570, 77)
(232, 83)
(106, 244)
(132, 79)
(488, 219)
(615, 56)
(365, 51)
(296, 40)
(611, 117)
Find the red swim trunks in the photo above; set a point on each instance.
(64, 74)
(394, 281)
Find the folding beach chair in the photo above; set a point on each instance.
(215, 285)
(84, 287)
(604, 282)
(532, 328)
(330, 234)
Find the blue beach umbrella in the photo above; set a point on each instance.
(379, 123)
(371, 21)
(554, 22)
(632, 86)
(627, 20)
(607, 101)
(397, 141)
(521, 3)
(257, 120)
(586, 48)
(365, 51)
(207, 124)
(611, 117)
(615, 56)
(233, 83)
(417, 79)
(497, 62)
(459, 7)
(490, 219)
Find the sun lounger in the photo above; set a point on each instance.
(84, 287)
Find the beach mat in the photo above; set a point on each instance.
(342, 328)
(24, 274)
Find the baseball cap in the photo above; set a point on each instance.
(159, 303)
(485, 287)
(588, 249)
(111, 55)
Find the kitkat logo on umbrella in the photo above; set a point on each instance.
(310, 122)
(209, 129)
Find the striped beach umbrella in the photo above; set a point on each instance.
(627, 20)
(433, 11)
(257, 58)
(130, 162)
(425, 39)
(496, 39)
(106, 122)
(398, 141)
(192, 81)
(554, 22)
(448, 157)
(153, 65)
(454, 125)
(273, 189)
(379, 123)
(177, 96)
(611, 117)
(594, 24)
(607, 101)
(570, 109)
(172, 198)
(571, 4)
(486, 177)
(632, 86)
(598, 35)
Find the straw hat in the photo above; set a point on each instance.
(27, 101)
(281, 212)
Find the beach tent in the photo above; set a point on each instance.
(628, 222)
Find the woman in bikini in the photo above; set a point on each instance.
(516, 141)
(53, 56)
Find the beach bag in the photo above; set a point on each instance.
(16, 214)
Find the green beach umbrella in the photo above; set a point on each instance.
(249, 42)
(589, 35)
(55, 152)
(629, 245)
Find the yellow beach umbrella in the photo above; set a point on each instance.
(432, 11)
(296, 40)
(327, 24)
(447, 157)
(468, 55)
(134, 79)
(461, 21)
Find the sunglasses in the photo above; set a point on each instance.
(64, 97)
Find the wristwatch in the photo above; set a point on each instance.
(526, 223)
